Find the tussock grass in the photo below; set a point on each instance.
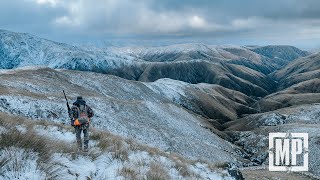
(129, 173)
(120, 147)
(29, 140)
(117, 146)
(12, 141)
(157, 172)
(10, 122)
(183, 169)
(111, 143)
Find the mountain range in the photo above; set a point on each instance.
(211, 102)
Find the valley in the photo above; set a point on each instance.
(216, 103)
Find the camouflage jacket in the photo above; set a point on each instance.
(74, 113)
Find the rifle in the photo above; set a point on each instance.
(69, 109)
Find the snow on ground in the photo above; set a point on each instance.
(33, 108)
(216, 51)
(104, 167)
(126, 108)
(20, 49)
(144, 51)
(21, 128)
(170, 88)
(272, 119)
(3, 130)
(202, 170)
(56, 133)
(309, 114)
(22, 164)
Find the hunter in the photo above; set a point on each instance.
(81, 114)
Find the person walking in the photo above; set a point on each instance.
(80, 118)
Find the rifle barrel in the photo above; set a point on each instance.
(67, 101)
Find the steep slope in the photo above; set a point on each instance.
(20, 49)
(300, 70)
(250, 59)
(238, 68)
(298, 84)
(214, 102)
(127, 108)
(178, 52)
(281, 55)
(305, 92)
(212, 53)
(231, 76)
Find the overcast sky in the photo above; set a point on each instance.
(126, 22)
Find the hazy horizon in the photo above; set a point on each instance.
(134, 42)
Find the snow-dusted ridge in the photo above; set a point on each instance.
(20, 49)
(231, 66)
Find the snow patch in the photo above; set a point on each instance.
(56, 133)
(272, 119)
(172, 89)
(21, 128)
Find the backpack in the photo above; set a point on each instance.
(83, 117)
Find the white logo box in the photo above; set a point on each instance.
(288, 137)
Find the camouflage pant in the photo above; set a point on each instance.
(85, 131)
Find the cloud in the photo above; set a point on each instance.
(215, 19)
(133, 17)
(197, 22)
(67, 21)
(50, 2)
(173, 17)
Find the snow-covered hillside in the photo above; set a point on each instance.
(235, 67)
(42, 150)
(264, 60)
(20, 49)
(127, 108)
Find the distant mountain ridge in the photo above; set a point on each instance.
(236, 67)
(20, 49)
(298, 84)
(281, 53)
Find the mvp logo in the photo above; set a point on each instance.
(288, 151)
